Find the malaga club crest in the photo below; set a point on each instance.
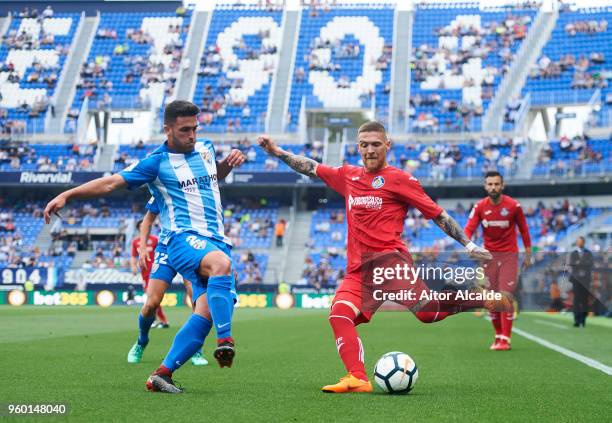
(504, 212)
(206, 156)
(378, 182)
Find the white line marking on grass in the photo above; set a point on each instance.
(555, 325)
(571, 354)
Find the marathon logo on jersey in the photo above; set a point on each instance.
(202, 180)
(195, 242)
(495, 223)
(368, 202)
(378, 182)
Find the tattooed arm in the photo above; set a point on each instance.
(300, 164)
(452, 229)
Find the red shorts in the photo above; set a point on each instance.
(352, 290)
(502, 272)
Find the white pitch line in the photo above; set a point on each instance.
(571, 354)
(555, 325)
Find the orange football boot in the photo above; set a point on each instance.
(349, 383)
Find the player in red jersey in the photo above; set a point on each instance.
(500, 215)
(377, 198)
(145, 267)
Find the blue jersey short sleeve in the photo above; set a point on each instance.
(142, 172)
(152, 206)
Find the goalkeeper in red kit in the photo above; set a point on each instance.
(499, 215)
(377, 198)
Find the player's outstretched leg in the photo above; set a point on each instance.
(155, 292)
(437, 310)
(187, 341)
(350, 349)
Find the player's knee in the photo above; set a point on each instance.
(148, 310)
(153, 301)
(342, 312)
(215, 264)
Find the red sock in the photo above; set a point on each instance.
(348, 343)
(163, 370)
(222, 340)
(497, 322)
(161, 315)
(506, 324)
(431, 316)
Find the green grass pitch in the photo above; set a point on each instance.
(78, 356)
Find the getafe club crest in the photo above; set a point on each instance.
(378, 182)
(504, 212)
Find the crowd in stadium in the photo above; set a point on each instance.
(224, 92)
(488, 152)
(239, 220)
(40, 72)
(586, 27)
(492, 38)
(558, 161)
(46, 158)
(250, 270)
(547, 68)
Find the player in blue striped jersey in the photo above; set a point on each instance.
(182, 174)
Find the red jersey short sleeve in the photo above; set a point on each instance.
(410, 190)
(333, 177)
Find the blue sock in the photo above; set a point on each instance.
(221, 304)
(187, 341)
(144, 325)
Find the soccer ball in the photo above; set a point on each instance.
(396, 373)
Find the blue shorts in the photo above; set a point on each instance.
(185, 252)
(161, 269)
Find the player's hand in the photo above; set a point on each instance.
(268, 145)
(480, 254)
(53, 207)
(527, 261)
(134, 270)
(143, 260)
(235, 158)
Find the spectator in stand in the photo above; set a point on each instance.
(279, 232)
